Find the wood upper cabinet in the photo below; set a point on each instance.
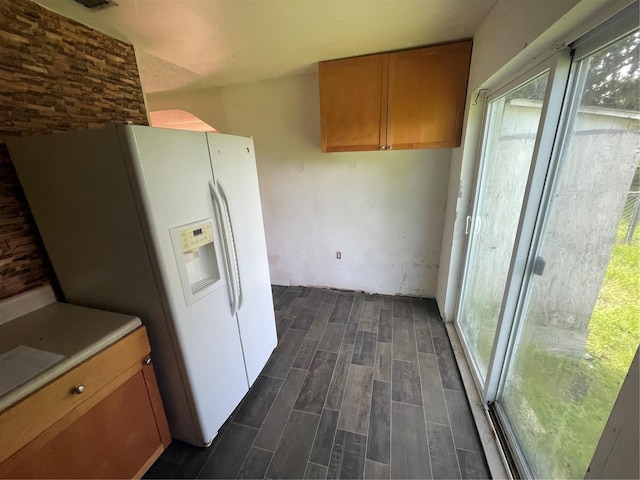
(353, 103)
(427, 91)
(399, 100)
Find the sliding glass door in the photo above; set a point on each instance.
(580, 317)
(549, 311)
(511, 131)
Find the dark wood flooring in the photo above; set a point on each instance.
(360, 386)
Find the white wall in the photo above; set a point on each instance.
(509, 29)
(205, 105)
(515, 36)
(382, 210)
(616, 455)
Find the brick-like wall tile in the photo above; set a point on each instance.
(56, 75)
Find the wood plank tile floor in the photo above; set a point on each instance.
(360, 386)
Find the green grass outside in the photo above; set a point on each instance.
(560, 404)
(564, 402)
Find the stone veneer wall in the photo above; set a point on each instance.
(55, 75)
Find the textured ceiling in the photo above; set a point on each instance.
(192, 43)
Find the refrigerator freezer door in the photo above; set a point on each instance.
(81, 196)
(173, 172)
(85, 204)
(235, 174)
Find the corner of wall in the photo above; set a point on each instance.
(205, 103)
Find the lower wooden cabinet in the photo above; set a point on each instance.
(95, 421)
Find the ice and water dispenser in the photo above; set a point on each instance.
(195, 253)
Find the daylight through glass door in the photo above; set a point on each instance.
(511, 131)
(579, 326)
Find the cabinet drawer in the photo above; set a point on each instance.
(24, 421)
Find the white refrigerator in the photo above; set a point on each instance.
(165, 225)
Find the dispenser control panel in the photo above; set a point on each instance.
(196, 237)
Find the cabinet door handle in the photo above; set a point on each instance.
(79, 389)
(147, 361)
(383, 147)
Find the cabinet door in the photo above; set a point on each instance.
(353, 103)
(427, 90)
(118, 438)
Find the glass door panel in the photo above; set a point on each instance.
(580, 321)
(512, 128)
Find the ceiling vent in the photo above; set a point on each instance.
(93, 4)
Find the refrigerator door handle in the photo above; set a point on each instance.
(225, 198)
(215, 196)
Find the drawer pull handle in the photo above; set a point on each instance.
(78, 390)
(147, 361)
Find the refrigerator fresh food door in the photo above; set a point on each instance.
(236, 179)
(173, 171)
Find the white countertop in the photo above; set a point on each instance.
(73, 332)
